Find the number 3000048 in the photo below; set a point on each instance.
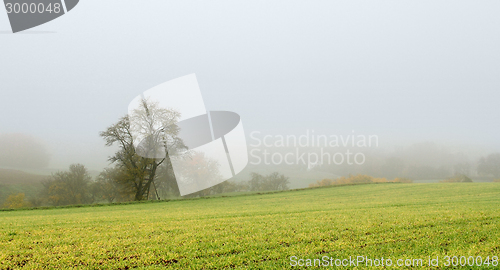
(33, 8)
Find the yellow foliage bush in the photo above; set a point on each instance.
(15, 201)
(459, 178)
(356, 179)
(402, 180)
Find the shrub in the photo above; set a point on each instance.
(459, 178)
(356, 179)
(15, 201)
(323, 183)
(273, 181)
(402, 180)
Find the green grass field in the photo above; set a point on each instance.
(396, 221)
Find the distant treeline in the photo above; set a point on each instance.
(134, 175)
(76, 187)
(420, 162)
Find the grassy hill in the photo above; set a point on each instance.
(16, 177)
(15, 181)
(394, 221)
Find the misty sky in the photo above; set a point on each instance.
(406, 70)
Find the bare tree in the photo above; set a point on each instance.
(145, 138)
